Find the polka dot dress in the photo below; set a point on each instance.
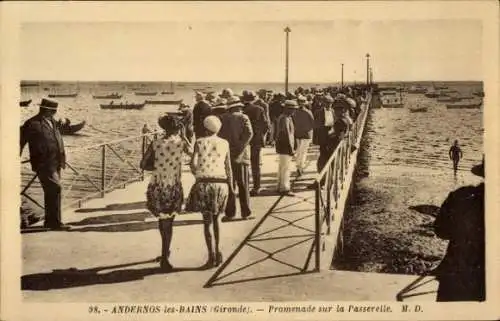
(164, 193)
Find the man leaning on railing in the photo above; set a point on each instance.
(47, 157)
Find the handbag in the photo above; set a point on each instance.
(148, 159)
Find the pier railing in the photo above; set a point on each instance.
(333, 186)
(92, 171)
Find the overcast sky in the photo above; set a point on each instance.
(249, 51)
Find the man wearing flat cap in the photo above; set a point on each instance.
(47, 157)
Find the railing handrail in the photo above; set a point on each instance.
(106, 143)
(326, 167)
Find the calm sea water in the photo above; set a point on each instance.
(400, 137)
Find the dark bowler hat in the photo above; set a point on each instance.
(248, 96)
(478, 169)
(48, 104)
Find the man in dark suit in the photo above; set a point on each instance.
(323, 124)
(201, 110)
(260, 126)
(237, 130)
(47, 157)
(262, 102)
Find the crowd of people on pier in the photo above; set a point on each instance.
(224, 135)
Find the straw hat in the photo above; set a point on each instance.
(226, 93)
(212, 123)
(248, 96)
(291, 104)
(234, 101)
(48, 104)
(220, 103)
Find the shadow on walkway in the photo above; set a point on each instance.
(285, 213)
(69, 278)
(115, 207)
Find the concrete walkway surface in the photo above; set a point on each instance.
(108, 255)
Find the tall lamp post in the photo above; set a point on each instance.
(342, 77)
(287, 32)
(368, 69)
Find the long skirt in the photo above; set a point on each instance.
(208, 197)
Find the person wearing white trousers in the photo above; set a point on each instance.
(285, 146)
(303, 121)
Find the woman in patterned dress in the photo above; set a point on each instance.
(164, 194)
(211, 166)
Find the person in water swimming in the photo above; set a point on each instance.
(455, 154)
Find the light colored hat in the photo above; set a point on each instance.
(212, 123)
(301, 98)
(211, 95)
(329, 98)
(291, 104)
(351, 102)
(234, 101)
(226, 93)
(220, 103)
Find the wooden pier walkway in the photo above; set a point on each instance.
(108, 255)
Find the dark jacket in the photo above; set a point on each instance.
(45, 144)
(285, 139)
(275, 109)
(321, 132)
(200, 110)
(187, 120)
(257, 118)
(461, 221)
(237, 130)
(303, 121)
(260, 102)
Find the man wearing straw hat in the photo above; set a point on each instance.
(237, 130)
(47, 157)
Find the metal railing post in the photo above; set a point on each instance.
(317, 227)
(103, 170)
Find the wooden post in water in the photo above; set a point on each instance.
(103, 170)
(287, 32)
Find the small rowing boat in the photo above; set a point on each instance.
(110, 96)
(465, 105)
(25, 103)
(63, 95)
(418, 110)
(112, 105)
(68, 129)
(164, 102)
(146, 93)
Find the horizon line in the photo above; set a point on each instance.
(249, 82)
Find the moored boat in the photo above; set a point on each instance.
(110, 96)
(146, 93)
(164, 102)
(418, 110)
(25, 103)
(121, 105)
(417, 90)
(63, 95)
(391, 99)
(449, 99)
(432, 94)
(465, 105)
(68, 129)
(479, 93)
